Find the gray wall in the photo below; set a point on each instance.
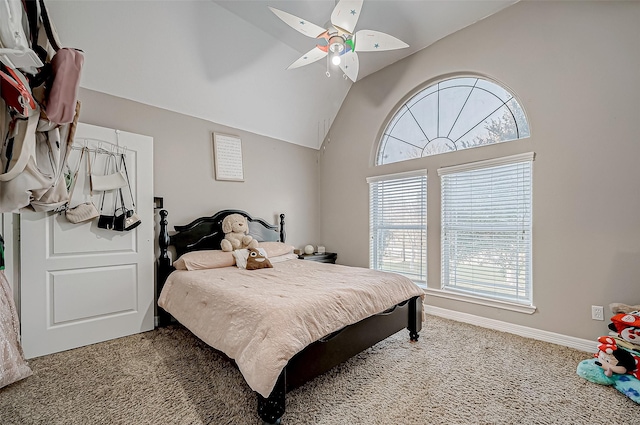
(279, 177)
(575, 67)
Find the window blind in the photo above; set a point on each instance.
(398, 225)
(486, 229)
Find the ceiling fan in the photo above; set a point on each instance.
(338, 40)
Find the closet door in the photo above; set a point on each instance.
(81, 284)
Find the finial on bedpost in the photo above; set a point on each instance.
(163, 238)
(283, 234)
(164, 265)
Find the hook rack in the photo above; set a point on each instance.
(111, 149)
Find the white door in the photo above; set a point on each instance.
(80, 284)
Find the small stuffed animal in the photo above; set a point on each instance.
(256, 260)
(613, 359)
(626, 384)
(236, 233)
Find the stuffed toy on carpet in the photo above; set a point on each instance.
(627, 384)
(617, 362)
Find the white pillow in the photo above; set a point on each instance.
(241, 256)
(200, 260)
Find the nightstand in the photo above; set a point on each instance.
(327, 257)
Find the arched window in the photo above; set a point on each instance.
(454, 114)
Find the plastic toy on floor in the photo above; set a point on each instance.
(617, 362)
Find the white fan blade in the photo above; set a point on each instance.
(311, 56)
(345, 15)
(299, 24)
(372, 41)
(349, 65)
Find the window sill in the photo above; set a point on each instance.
(505, 305)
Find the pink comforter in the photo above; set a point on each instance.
(262, 318)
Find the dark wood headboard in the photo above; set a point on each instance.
(206, 233)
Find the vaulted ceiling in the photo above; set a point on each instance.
(225, 61)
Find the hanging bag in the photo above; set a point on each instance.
(12, 35)
(16, 92)
(19, 146)
(110, 180)
(66, 66)
(16, 52)
(85, 211)
(131, 219)
(53, 147)
(107, 221)
(123, 218)
(32, 162)
(121, 215)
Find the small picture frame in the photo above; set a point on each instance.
(227, 156)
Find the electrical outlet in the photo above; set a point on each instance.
(597, 312)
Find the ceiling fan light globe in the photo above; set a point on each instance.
(336, 44)
(335, 59)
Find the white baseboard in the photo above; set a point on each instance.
(552, 337)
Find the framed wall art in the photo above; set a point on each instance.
(227, 154)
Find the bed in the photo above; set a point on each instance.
(281, 331)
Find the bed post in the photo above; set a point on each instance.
(415, 318)
(164, 266)
(271, 409)
(283, 234)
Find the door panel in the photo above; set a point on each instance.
(112, 291)
(81, 284)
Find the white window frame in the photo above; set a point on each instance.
(413, 132)
(524, 306)
(415, 270)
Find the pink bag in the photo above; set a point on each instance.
(67, 66)
(61, 103)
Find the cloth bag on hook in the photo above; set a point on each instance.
(32, 163)
(61, 74)
(13, 37)
(112, 179)
(12, 34)
(14, 89)
(85, 211)
(53, 147)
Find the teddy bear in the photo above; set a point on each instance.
(236, 233)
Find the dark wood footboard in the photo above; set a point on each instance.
(326, 353)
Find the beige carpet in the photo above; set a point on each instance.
(455, 374)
